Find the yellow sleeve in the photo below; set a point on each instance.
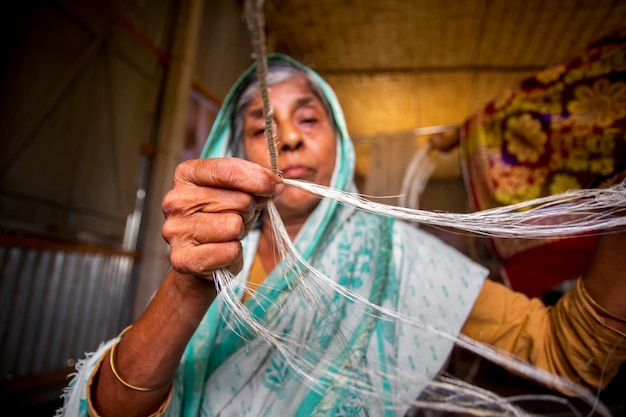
(255, 278)
(568, 339)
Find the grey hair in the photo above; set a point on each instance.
(276, 73)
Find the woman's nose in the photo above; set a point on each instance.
(289, 139)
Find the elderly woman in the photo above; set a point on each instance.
(187, 356)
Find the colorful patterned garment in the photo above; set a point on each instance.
(564, 128)
(228, 371)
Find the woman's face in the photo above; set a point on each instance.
(305, 141)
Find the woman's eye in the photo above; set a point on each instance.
(258, 132)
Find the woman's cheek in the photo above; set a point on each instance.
(257, 152)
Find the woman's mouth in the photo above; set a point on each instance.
(296, 171)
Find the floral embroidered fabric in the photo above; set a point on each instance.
(563, 128)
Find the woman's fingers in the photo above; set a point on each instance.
(213, 205)
(185, 201)
(229, 173)
(203, 260)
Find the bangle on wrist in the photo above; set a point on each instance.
(597, 307)
(116, 373)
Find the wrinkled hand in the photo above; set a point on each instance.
(212, 206)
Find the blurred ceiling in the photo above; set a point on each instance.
(397, 65)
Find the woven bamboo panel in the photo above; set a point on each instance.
(401, 64)
(439, 59)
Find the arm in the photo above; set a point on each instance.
(571, 339)
(212, 205)
(605, 279)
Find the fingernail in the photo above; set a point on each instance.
(279, 188)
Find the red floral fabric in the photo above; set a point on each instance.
(563, 128)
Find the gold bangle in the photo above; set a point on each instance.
(117, 375)
(597, 306)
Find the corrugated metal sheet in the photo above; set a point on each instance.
(55, 304)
